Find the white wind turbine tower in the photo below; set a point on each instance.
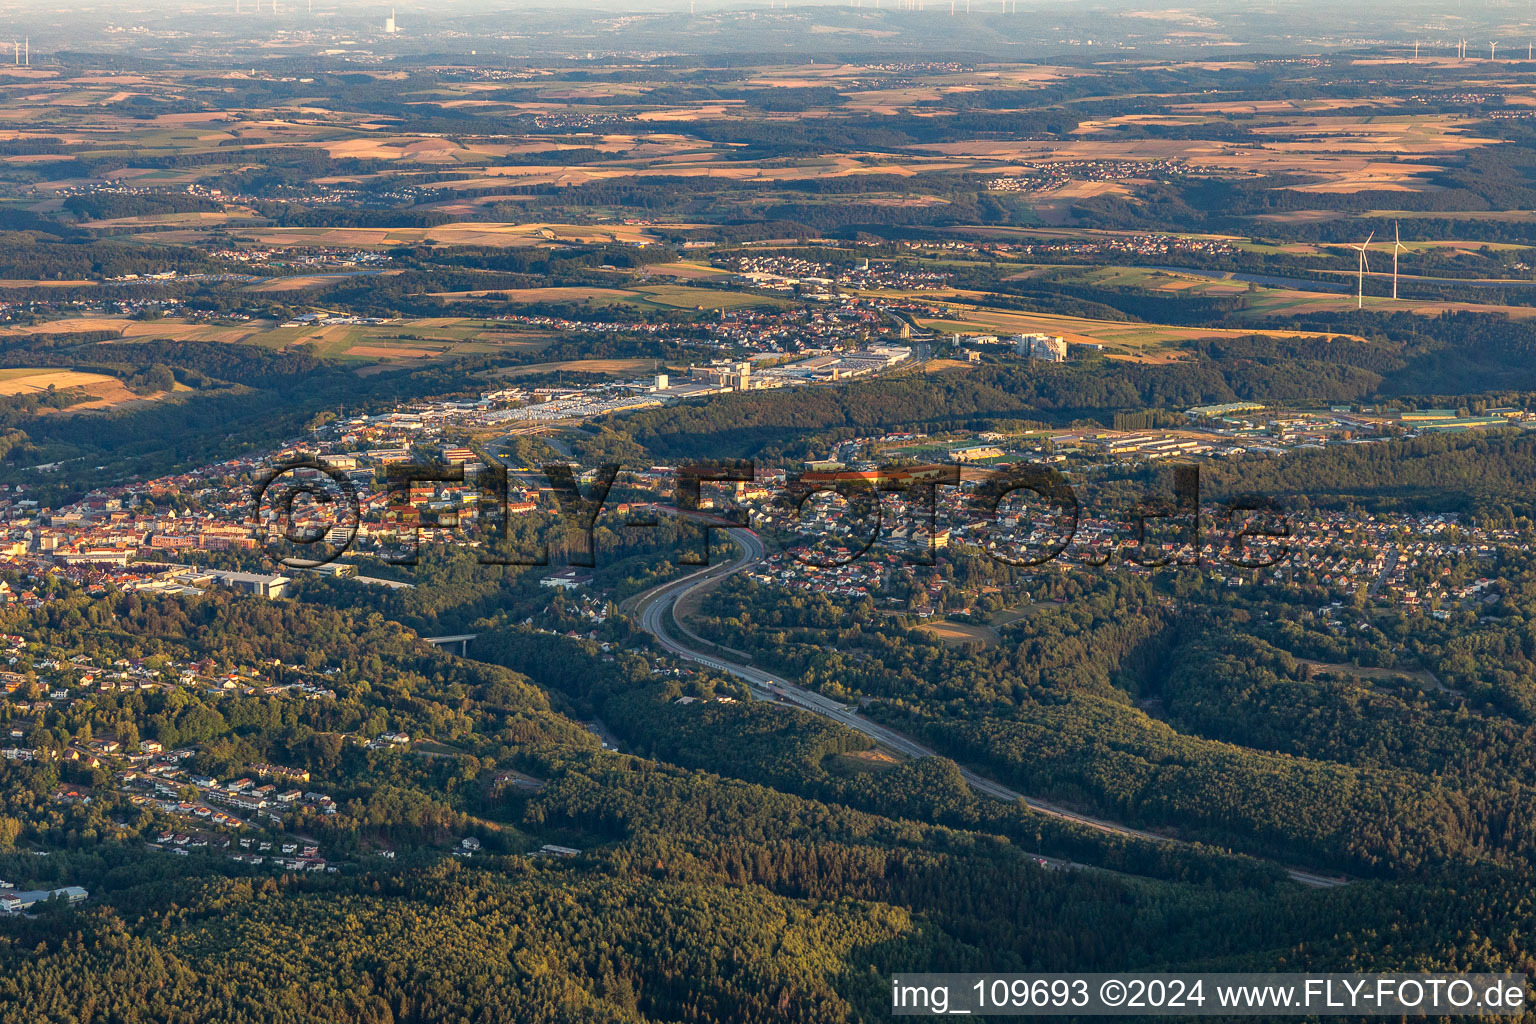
(1397, 247)
(1490, 50)
(1364, 266)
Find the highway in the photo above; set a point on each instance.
(653, 608)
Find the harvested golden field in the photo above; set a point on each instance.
(104, 391)
(1142, 342)
(946, 366)
(21, 381)
(436, 321)
(707, 165)
(1311, 106)
(355, 237)
(430, 150)
(15, 283)
(553, 294)
(1137, 120)
(1345, 154)
(391, 352)
(709, 110)
(616, 367)
(70, 326)
(1288, 301)
(1089, 189)
(1497, 216)
(136, 330)
(389, 341)
(675, 296)
(209, 217)
(111, 396)
(683, 271)
(959, 634)
(1299, 217)
(470, 233)
(301, 281)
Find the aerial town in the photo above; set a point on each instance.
(729, 512)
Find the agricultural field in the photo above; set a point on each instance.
(101, 391)
(477, 233)
(300, 282)
(428, 338)
(1138, 342)
(960, 634)
(684, 270)
(610, 367)
(1264, 300)
(652, 296)
(413, 339)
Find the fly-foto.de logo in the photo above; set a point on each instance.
(309, 513)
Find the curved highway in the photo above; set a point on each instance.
(653, 608)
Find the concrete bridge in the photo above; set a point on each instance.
(462, 639)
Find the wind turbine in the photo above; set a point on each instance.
(1490, 50)
(1397, 247)
(1364, 266)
